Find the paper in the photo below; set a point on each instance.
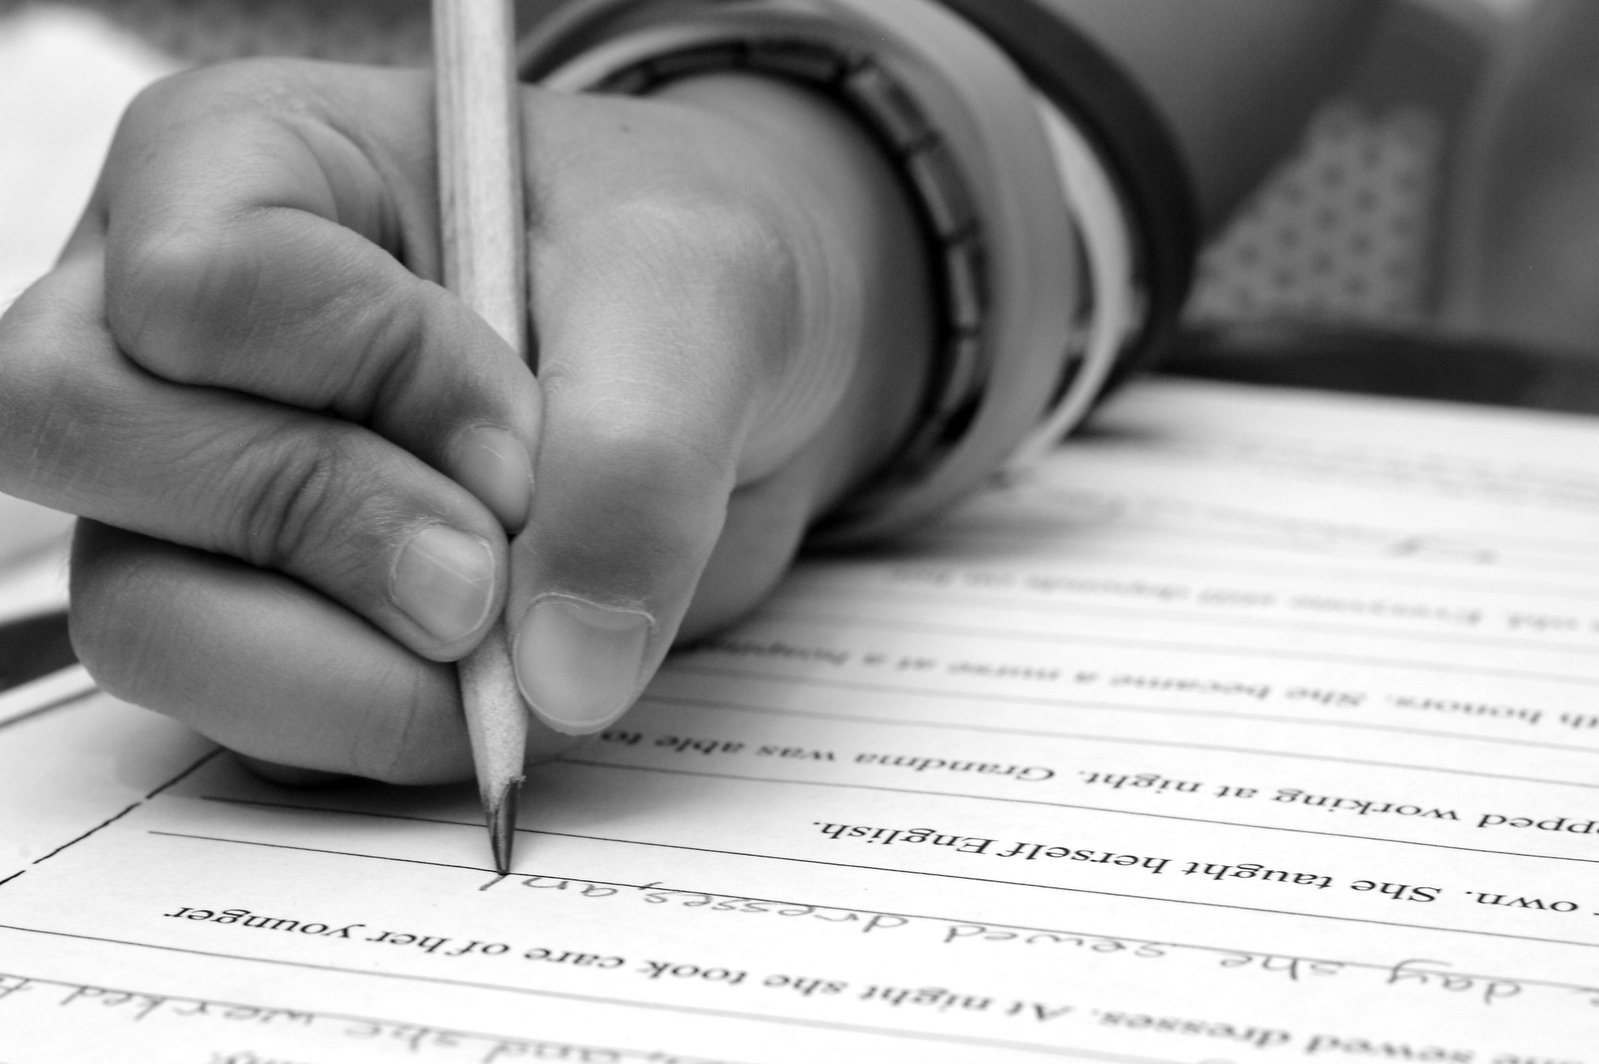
(1254, 727)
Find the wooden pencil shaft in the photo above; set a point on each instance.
(480, 162)
(481, 217)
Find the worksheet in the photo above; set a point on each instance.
(1253, 726)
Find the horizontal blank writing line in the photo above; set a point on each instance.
(1121, 740)
(838, 594)
(690, 666)
(845, 622)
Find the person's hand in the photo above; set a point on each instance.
(298, 458)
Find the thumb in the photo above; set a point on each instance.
(664, 330)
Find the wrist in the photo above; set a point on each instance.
(864, 331)
(960, 126)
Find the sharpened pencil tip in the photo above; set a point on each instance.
(502, 826)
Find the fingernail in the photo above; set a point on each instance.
(578, 664)
(493, 465)
(444, 580)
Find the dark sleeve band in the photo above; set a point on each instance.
(1094, 91)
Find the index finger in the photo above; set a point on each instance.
(271, 229)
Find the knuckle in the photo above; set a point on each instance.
(403, 740)
(42, 410)
(109, 592)
(185, 270)
(212, 90)
(181, 95)
(296, 503)
(24, 333)
(390, 352)
(174, 295)
(164, 100)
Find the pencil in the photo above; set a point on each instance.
(480, 206)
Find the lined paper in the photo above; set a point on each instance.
(1255, 726)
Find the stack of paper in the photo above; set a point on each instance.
(1254, 727)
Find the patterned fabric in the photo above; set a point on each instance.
(1361, 226)
(1342, 230)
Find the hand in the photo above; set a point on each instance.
(299, 459)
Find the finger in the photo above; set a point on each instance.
(329, 503)
(289, 775)
(653, 362)
(267, 251)
(262, 664)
